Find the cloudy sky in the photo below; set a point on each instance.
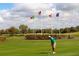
(12, 14)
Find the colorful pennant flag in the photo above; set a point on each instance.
(39, 12)
(32, 17)
(57, 15)
(50, 15)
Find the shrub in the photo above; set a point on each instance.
(2, 38)
(42, 37)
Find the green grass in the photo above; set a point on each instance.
(17, 46)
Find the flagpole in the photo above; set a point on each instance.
(50, 15)
(41, 21)
(57, 17)
(51, 28)
(34, 30)
(41, 27)
(33, 27)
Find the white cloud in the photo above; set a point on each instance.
(21, 13)
(35, 6)
(1, 19)
(4, 13)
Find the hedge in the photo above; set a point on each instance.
(44, 37)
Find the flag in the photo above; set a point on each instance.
(32, 17)
(50, 15)
(39, 12)
(57, 15)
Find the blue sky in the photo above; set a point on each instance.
(6, 6)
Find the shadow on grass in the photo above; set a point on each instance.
(46, 53)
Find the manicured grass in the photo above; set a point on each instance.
(17, 46)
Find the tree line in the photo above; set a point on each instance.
(23, 29)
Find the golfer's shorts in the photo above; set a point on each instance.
(54, 45)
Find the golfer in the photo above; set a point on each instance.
(53, 43)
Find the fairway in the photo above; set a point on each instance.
(17, 46)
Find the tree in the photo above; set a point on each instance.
(23, 28)
(6, 31)
(30, 30)
(55, 31)
(77, 27)
(47, 30)
(62, 30)
(73, 29)
(66, 30)
(12, 31)
(2, 32)
(38, 31)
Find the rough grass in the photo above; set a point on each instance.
(17, 46)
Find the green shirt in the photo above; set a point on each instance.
(53, 40)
